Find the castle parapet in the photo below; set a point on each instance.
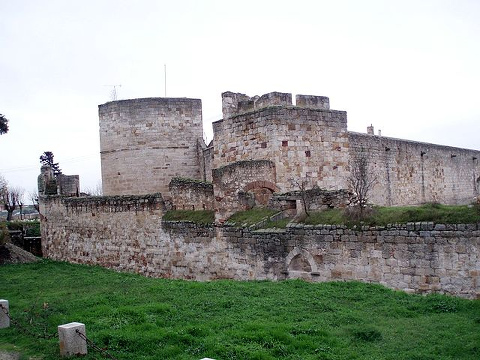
(313, 102)
(273, 99)
(236, 103)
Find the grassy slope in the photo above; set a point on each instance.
(144, 318)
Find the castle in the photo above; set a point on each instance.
(264, 150)
(267, 145)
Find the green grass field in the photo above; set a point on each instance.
(144, 318)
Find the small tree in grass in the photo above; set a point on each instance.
(361, 181)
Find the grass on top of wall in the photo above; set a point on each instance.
(135, 317)
(196, 216)
(251, 217)
(381, 216)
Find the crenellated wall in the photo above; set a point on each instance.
(144, 143)
(410, 172)
(127, 234)
(304, 143)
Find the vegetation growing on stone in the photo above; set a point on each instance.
(250, 217)
(381, 216)
(182, 180)
(196, 216)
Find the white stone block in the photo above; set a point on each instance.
(72, 343)
(4, 318)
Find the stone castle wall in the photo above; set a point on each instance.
(241, 185)
(188, 194)
(304, 143)
(144, 143)
(410, 172)
(127, 234)
(147, 142)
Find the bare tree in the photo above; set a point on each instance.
(361, 180)
(3, 185)
(302, 187)
(33, 197)
(94, 191)
(11, 198)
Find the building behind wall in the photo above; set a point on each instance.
(145, 143)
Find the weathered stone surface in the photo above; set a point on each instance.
(410, 172)
(190, 194)
(136, 240)
(71, 343)
(144, 143)
(4, 316)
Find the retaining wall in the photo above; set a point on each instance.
(127, 234)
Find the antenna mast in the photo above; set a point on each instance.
(113, 93)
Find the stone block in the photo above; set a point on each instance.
(4, 317)
(71, 342)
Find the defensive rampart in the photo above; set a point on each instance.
(410, 172)
(127, 233)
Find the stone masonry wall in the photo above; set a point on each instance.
(304, 143)
(144, 143)
(127, 233)
(411, 172)
(231, 183)
(188, 194)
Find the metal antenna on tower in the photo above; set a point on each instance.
(113, 93)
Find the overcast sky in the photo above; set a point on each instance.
(410, 68)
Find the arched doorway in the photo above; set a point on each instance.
(262, 192)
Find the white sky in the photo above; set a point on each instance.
(411, 68)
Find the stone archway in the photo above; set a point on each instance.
(262, 191)
(300, 262)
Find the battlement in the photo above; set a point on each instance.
(237, 103)
(312, 102)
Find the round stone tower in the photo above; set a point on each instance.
(144, 143)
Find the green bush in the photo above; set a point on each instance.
(4, 236)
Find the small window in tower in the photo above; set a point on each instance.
(263, 145)
(285, 143)
(308, 153)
